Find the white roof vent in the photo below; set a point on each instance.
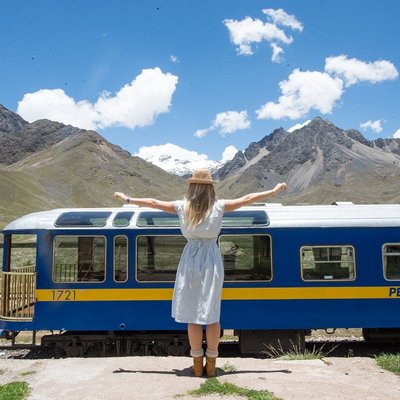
(342, 203)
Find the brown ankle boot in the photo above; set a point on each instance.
(210, 366)
(198, 368)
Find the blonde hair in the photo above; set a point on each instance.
(199, 199)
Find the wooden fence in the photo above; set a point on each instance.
(18, 294)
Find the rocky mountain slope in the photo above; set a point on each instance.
(321, 163)
(9, 121)
(46, 165)
(31, 138)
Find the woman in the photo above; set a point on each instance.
(200, 275)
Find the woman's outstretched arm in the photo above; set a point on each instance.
(167, 206)
(250, 198)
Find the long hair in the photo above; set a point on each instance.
(199, 199)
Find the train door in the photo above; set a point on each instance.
(18, 278)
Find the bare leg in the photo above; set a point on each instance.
(195, 333)
(212, 334)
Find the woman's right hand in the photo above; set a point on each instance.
(280, 187)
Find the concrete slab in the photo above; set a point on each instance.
(162, 378)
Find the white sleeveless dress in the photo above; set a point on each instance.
(200, 274)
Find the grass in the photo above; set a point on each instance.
(28, 373)
(213, 386)
(228, 367)
(229, 338)
(296, 352)
(14, 391)
(390, 362)
(313, 354)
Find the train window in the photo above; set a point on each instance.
(245, 218)
(151, 218)
(246, 257)
(230, 219)
(327, 263)
(22, 253)
(120, 258)
(123, 219)
(157, 257)
(79, 259)
(83, 218)
(391, 261)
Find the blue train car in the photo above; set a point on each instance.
(104, 277)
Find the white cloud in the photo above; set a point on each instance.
(248, 31)
(277, 51)
(353, 70)
(55, 105)
(173, 58)
(136, 104)
(301, 92)
(180, 161)
(396, 135)
(228, 154)
(201, 132)
(306, 90)
(226, 122)
(231, 121)
(280, 17)
(373, 125)
(298, 126)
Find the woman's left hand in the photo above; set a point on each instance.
(280, 187)
(120, 196)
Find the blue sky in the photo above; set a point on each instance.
(202, 75)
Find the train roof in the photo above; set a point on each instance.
(342, 214)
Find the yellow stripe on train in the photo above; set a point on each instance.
(286, 293)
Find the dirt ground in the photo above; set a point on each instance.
(162, 378)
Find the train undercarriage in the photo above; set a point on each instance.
(157, 343)
(176, 343)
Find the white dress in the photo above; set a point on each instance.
(200, 274)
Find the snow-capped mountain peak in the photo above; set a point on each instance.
(180, 161)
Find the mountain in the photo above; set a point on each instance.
(31, 138)
(321, 163)
(177, 161)
(255, 152)
(47, 165)
(389, 145)
(9, 121)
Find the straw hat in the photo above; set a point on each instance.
(202, 176)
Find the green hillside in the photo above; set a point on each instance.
(83, 170)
